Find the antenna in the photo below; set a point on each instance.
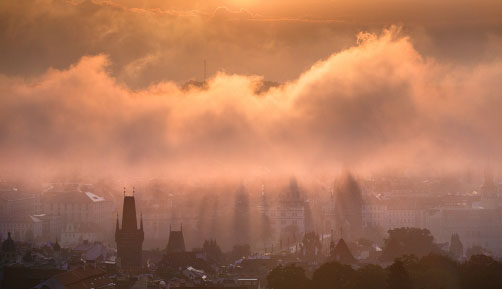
(124, 191)
(133, 189)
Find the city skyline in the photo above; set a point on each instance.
(250, 144)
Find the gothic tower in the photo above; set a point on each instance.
(176, 243)
(129, 238)
(489, 188)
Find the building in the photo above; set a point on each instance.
(394, 213)
(475, 226)
(488, 189)
(74, 233)
(8, 250)
(176, 243)
(85, 278)
(23, 227)
(128, 237)
(79, 207)
(14, 202)
(287, 216)
(341, 253)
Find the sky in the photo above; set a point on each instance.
(97, 87)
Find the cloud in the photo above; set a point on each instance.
(153, 41)
(377, 105)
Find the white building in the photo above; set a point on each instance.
(287, 216)
(80, 207)
(388, 215)
(75, 233)
(24, 228)
(475, 226)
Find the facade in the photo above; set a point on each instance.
(14, 202)
(24, 228)
(329, 215)
(478, 222)
(287, 216)
(475, 227)
(390, 214)
(79, 207)
(74, 233)
(128, 237)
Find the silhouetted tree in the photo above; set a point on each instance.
(398, 276)
(371, 277)
(435, 271)
(476, 250)
(334, 275)
(456, 250)
(481, 272)
(408, 241)
(287, 277)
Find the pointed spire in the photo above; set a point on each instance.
(141, 222)
(56, 246)
(124, 191)
(133, 191)
(117, 225)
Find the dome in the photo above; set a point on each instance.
(8, 245)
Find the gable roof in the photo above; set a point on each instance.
(342, 254)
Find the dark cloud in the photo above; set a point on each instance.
(154, 41)
(377, 105)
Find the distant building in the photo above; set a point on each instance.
(14, 202)
(129, 238)
(391, 214)
(287, 216)
(488, 189)
(74, 233)
(23, 227)
(85, 278)
(176, 243)
(79, 207)
(475, 226)
(8, 250)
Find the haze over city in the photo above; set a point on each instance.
(262, 127)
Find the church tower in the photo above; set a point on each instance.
(489, 188)
(129, 238)
(176, 243)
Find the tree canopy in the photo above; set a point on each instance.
(408, 241)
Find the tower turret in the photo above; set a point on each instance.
(129, 238)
